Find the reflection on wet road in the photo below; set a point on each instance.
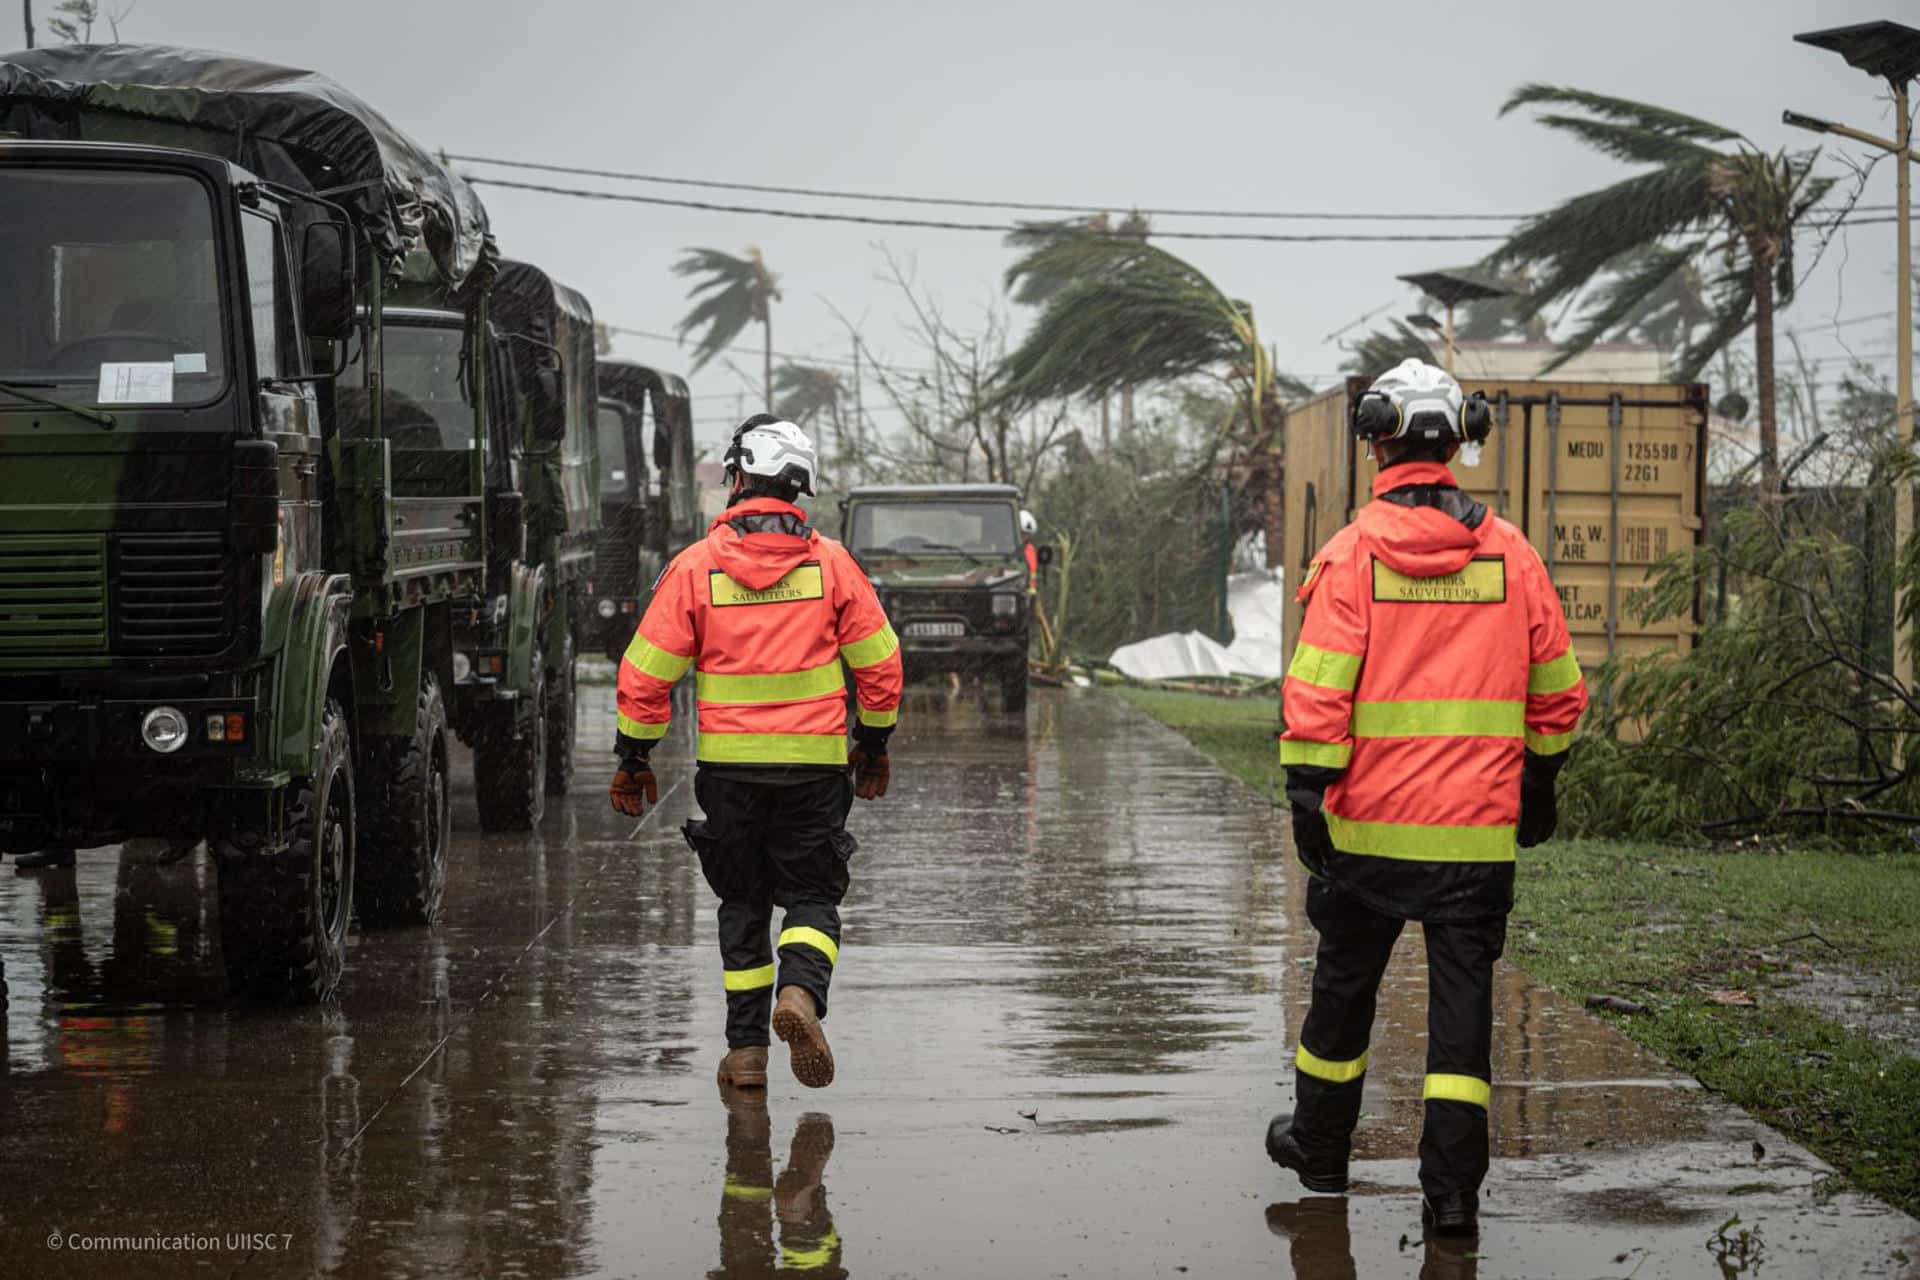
(1064, 1011)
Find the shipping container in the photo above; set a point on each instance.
(1605, 478)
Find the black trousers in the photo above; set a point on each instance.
(767, 844)
(1330, 1068)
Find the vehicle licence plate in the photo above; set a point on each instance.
(932, 630)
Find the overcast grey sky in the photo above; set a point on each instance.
(1359, 105)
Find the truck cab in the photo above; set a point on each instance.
(647, 513)
(950, 567)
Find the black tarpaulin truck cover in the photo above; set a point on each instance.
(297, 128)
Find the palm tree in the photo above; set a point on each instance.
(1382, 349)
(1711, 201)
(1118, 312)
(740, 292)
(809, 392)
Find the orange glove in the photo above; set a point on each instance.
(634, 788)
(870, 772)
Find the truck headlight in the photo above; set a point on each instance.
(462, 667)
(164, 729)
(1005, 604)
(606, 608)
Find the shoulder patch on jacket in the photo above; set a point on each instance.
(803, 582)
(1482, 581)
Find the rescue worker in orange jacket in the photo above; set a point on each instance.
(1028, 528)
(1429, 706)
(765, 610)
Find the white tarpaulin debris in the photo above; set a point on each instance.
(1255, 601)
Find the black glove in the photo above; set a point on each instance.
(1539, 808)
(1306, 794)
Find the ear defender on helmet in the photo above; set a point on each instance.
(1374, 416)
(1476, 418)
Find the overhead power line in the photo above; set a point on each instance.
(1033, 206)
(998, 228)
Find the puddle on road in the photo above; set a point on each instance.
(1084, 921)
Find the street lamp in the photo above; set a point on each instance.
(1889, 51)
(1450, 288)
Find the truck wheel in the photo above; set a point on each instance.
(284, 916)
(510, 762)
(563, 714)
(406, 820)
(1013, 684)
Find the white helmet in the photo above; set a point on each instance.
(766, 446)
(1418, 401)
(1027, 523)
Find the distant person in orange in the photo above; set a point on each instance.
(766, 610)
(1429, 707)
(1028, 528)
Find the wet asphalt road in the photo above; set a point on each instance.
(1063, 1013)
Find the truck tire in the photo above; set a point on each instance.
(510, 762)
(563, 716)
(406, 812)
(284, 916)
(1013, 685)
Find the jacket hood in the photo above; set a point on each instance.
(1421, 542)
(760, 541)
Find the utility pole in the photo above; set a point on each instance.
(26, 13)
(1888, 51)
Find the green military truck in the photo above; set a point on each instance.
(226, 599)
(645, 416)
(950, 567)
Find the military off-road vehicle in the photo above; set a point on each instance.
(645, 415)
(949, 565)
(226, 599)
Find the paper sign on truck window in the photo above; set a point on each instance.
(142, 382)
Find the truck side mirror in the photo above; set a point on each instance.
(326, 280)
(1043, 555)
(542, 373)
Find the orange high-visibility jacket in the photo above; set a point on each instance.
(765, 609)
(1432, 656)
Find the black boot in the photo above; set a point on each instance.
(52, 856)
(1454, 1214)
(1318, 1172)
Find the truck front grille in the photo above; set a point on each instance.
(53, 594)
(170, 596)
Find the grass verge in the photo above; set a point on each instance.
(1677, 931)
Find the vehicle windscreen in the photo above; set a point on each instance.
(111, 290)
(426, 404)
(935, 528)
(611, 425)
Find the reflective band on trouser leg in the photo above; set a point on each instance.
(1329, 755)
(745, 1191)
(798, 1259)
(639, 729)
(878, 647)
(1450, 1088)
(1328, 668)
(649, 659)
(805, 937)
(1332, 1072)
(749, 979)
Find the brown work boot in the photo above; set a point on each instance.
(796, 1022)
(745, 1068)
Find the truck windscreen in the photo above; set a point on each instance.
(427, 405)
(934, 528)
(112, 291)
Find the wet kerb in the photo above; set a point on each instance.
(1075, 958)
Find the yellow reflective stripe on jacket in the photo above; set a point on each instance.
(746, 1190)
(1440, 718)
(1327, 668)
(783, 686)
(878, 647)
(1446, 1088)
(749, 979)
(1420, 842)
(811, 1259)
(638, 728)
(1558, 676)
(773, 748)
(1548, 744)
(651, 660)
(1323, 1069)
(1328, 755)
(805, 937)
(879, 719)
